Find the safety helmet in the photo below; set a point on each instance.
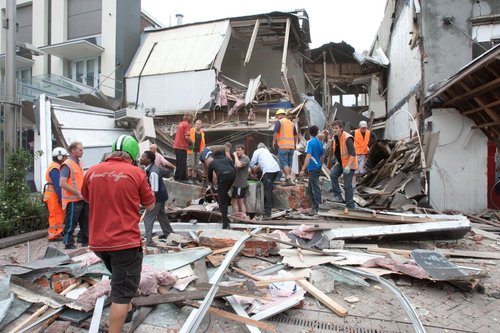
(127, 144)
(280, 111)
(363, 124)
(59, 152)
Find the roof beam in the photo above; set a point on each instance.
(475, 92)
(482, 107)
(494, 123)
(491, 113)
(252, 41)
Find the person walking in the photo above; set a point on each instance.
(345, 163)
(71, 181)
(285, 137)
(263, 158)
(313, 162)
(197, 136)
(240, 185)
(363, 140)
(160, 190)
(52, 195)
(115, 188)
(224, 170)
(181, 145)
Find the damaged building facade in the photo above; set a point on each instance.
(229, 72)
(430, 44)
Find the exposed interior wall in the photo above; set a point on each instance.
(264, 60)
(446, 47)
(458, 172)
(172, 93)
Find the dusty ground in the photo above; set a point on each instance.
(441, 307)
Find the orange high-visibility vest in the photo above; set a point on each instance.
(56, 213)
(75, 180)
(285, 138)
(360, 143)
(192, 135)
(49, 192)
(344, 153)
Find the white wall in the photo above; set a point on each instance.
(108, 57)
(59, 31)
(40, 33)
(377, 102)
(405, 68)
(172, 93)
(458, 172)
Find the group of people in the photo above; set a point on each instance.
(105, 200)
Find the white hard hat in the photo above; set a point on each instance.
(59, 151)
(363, 124)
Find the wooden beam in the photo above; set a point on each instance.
(235, 317)
(493, 123)
(285, 47)
(252, 42)
(474, 92)
(323, 298)
(445, 252)
(490, 105)
(491, 113)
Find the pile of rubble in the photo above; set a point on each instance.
(207, 271)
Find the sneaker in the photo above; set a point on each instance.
(70, 247)
(337, 199)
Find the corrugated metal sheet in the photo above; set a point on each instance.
(181, 49)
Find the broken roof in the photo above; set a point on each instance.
(474, 92)
(201, 45)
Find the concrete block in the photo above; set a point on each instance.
(183, 194)
(322, 280)
(218, 239)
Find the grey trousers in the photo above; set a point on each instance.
(149, 219)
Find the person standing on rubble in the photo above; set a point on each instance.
(363, 140)
(312, 163)
(285, 137)
(181, 145)
(197, 136)
(52, 195)
(224, 170)
(240, 185)
(71, 181)
(161, 162)
(160, 190)
(345, 163)
(270, 171)
(115, 188)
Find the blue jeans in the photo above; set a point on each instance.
(285, 157)
(335, 173)
(313, 188)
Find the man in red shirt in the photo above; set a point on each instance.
(114, 189)
(181, 146)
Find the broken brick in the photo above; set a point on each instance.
(218, 239)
